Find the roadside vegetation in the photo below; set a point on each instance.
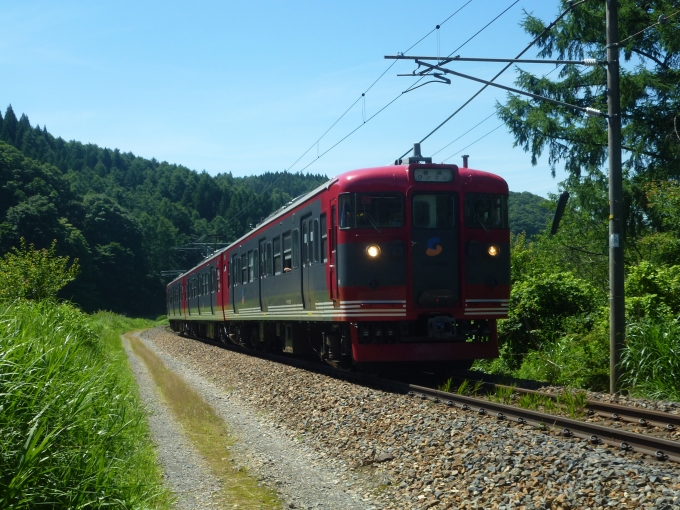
(73, 432)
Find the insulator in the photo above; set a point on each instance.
(590, 62)
(593, 112)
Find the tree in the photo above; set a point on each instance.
(35, 274)
(650, 98)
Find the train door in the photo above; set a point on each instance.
(332, 269)
(307, 256)
(434, 249)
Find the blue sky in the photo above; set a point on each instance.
(248, 87)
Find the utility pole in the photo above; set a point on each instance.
(617, 319)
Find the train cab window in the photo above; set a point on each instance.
(486, 210)
(244, 268)
(296, 248)
(324, 238)
(434, 210)
(277, 255)
(371, 210)
(316, 240)
(287, 252)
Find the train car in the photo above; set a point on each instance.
(406, 265)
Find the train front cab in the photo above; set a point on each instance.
(441, 276)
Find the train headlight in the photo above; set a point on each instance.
(373, 251)
(494, 250)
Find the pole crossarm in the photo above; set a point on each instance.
(448, 60)
(588, 111)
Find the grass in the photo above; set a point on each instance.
(73, 430)
(651, 360)
(207, 433)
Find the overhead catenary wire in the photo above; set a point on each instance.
(471, 144)
(549, 27)
(479, 124)
(363, 94)
(267, 188)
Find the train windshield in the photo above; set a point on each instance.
(486, 210)
(434, 210)
(371, 210)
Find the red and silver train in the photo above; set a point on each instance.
(404, 265)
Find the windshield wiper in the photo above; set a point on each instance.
(481, 222)
(370, 220)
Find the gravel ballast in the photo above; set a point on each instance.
(382, 450)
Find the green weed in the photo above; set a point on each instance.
(73, 430)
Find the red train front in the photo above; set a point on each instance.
(406, 264)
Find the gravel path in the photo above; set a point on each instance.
(300, 476)
(406, 453)
(184, 470)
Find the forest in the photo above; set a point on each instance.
(120, 215)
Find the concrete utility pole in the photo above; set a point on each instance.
(617, 319)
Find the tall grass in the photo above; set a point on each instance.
(72, 431)
(650, 362)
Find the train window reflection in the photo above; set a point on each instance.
(486, 210)
(435, 210)
(371, 210)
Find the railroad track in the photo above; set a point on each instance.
(649, 444)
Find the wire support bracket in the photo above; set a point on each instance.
(592, 112)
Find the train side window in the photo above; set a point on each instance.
(244, 268)
(263, 259)
(277, 255)
(287, 252)
(296, 248)
(324, 239)
(305, 252)
(316, 240)
(270, 260)
(310, 245)
(217, 278)
(251, 266)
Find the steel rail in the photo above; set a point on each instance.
(607, 410)
(661, 449)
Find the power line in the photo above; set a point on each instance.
(549, 27)
(662, 21)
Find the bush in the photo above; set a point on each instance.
(543, 307)
(27, 273)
